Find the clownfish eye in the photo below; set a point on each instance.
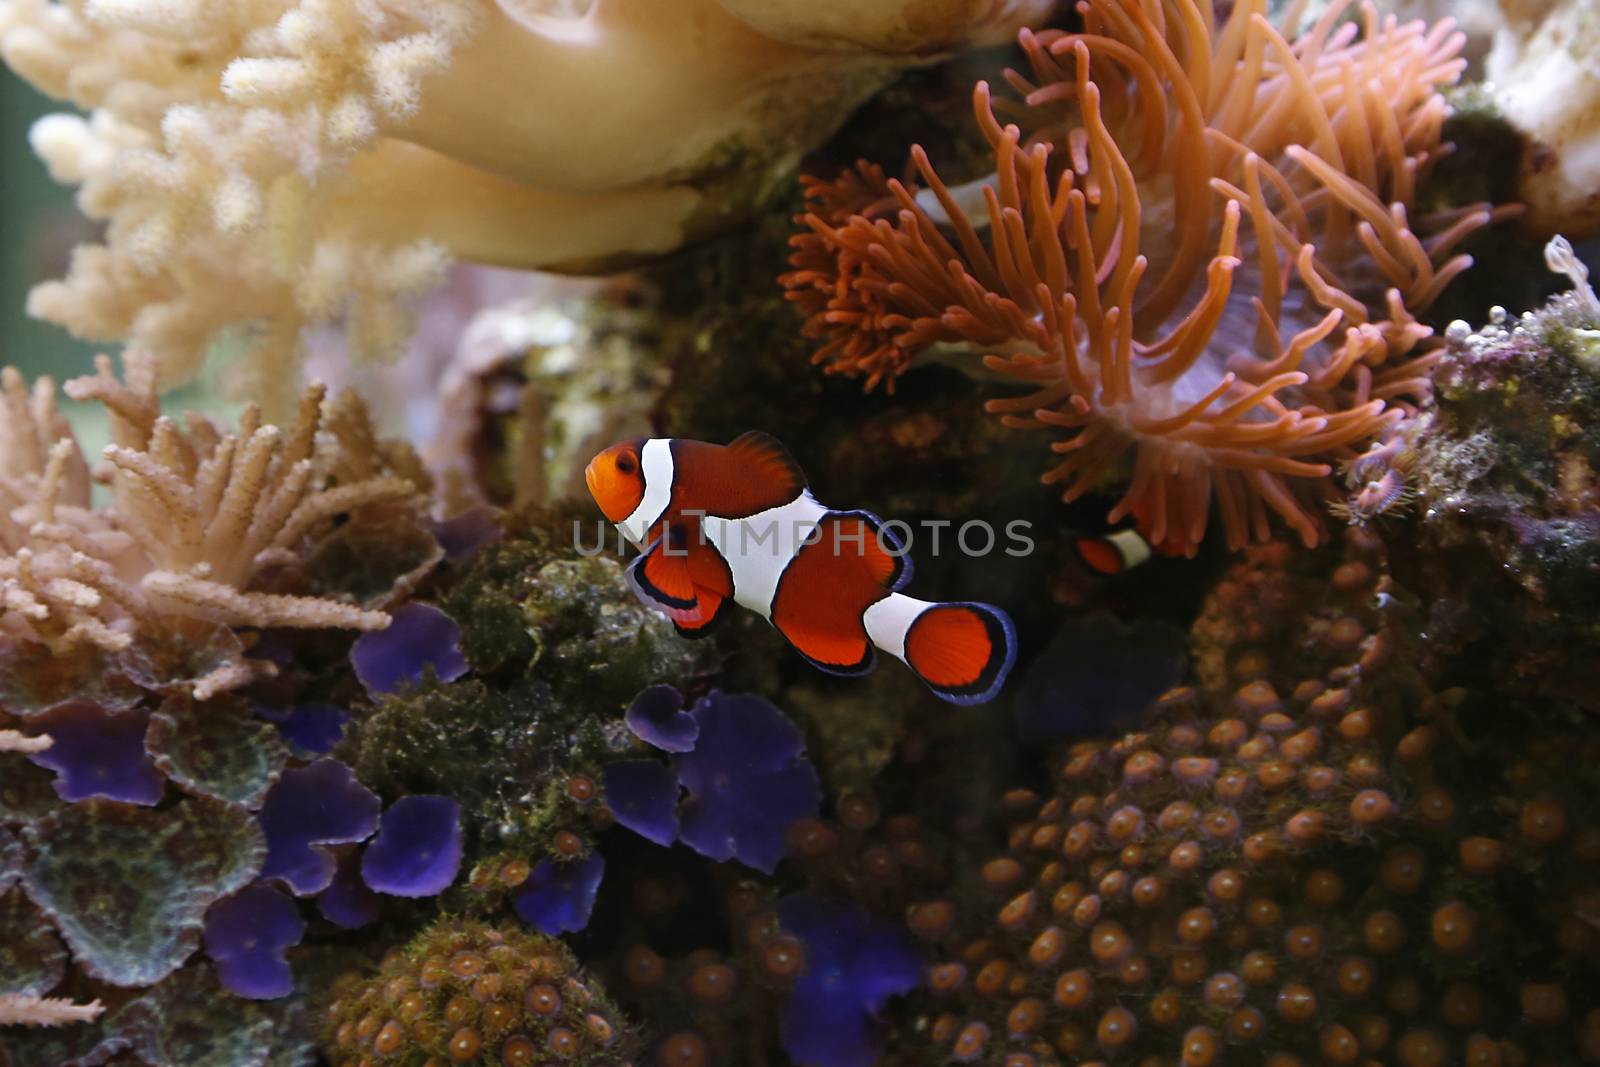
(625, 464)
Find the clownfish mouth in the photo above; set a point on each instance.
(591, 478)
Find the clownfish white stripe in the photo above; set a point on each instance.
(889, 620)
(1114, 553)
(655, 461)
(760, 548)
(1131, 546)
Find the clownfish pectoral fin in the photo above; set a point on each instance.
(1114, 553)
(700, 622)
(767, 459)
(685, 581)
(962, 651)
(863, 534)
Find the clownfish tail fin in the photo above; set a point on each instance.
(961, 650)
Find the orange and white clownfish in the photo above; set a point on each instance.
(737, 522)
(1114, 553)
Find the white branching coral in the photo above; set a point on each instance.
(265, 165)
(20, 1009)
(197, 515)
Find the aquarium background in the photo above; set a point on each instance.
(338, 726)
(38, 227)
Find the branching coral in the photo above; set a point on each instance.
(1195, 246)
(268, 164)
(16, 741)
(17, 1009)
(199, 520)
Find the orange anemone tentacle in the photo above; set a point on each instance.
(1196, 246)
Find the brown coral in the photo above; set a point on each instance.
(1198, 248)
(198, 516)
(1294, 863)
(466, 992)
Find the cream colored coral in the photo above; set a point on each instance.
(196, 513)
(19, 1009)
(1544, 70)
(16, 741)
(268, 165)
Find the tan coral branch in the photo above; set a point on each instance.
(20, 1009)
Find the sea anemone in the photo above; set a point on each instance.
(1195, 245)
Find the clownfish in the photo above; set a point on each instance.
(737, 522)
(1114, 553)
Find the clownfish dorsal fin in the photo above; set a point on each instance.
(769, 459)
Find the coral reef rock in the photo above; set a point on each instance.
(1542, 75)
(1506, 471)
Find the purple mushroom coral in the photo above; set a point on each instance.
(419, 636)
(854, 964)
(313, 728)
(742, 762)
(643, 796)
(656, 717)
(417, 852)
(318, 804)
(99, 753)
(246, 936)
(348, 901)
(747, 780)
(558, 898)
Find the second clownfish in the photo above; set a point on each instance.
(737, 522)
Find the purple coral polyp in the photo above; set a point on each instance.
(747, 780)
(417, 852)
(314, 728)
(558, 898)
(854, 964)
(643, 796)
(98, 752)
(656, 716)
(462, 535)
(419, 636)
(246, 936)
(319, 804)
(347, 901)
